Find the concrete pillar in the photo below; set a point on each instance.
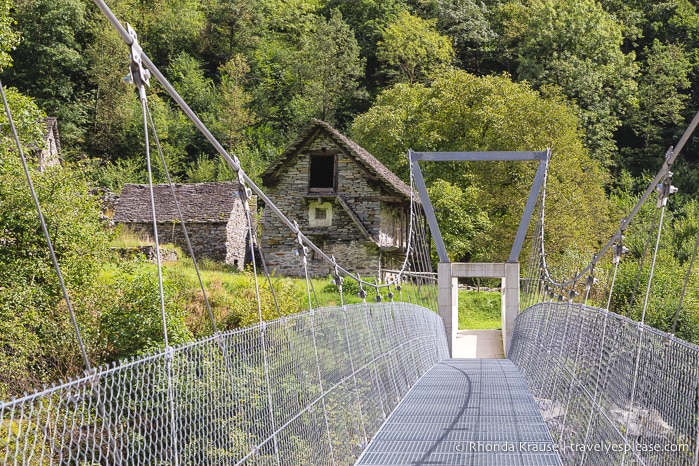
(448, 302)
(510, 302)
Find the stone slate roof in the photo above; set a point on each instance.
(355, 151)
(199, 202)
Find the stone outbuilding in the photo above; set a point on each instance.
(50, 155)
(213, 213)
(343, 198)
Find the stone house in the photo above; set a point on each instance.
(343, 198)
(50, 156)
(213, 213)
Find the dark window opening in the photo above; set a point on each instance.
(321, 241)
(322, 176)
(321, 214)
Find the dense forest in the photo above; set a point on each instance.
(608, 85)
(256, 72)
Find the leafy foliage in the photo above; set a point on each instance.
(37, 341)
(460, 217)
(578, 46)
(413, 47)
(463, 112)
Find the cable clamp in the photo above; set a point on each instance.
(664, 190)
(336, 273)
(244, 192)
(591, 280)
(362, 292)
(302, 250)
(619, 250)
(138, 75)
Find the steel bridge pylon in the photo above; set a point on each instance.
(507, 272)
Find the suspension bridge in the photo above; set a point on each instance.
(375, 383)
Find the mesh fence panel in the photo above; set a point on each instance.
(612, 391)
(308, 389)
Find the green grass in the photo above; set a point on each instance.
(479, 310)
(231, 293)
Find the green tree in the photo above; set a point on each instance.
(232, 26)
(165, 28)
(235, 116)
(578, 46)
(368, 18)
(8, 37)
(460, 217)
(394, 124)
(329, 68)
(468, 24)
(49, 63)
(413, 48)
(108, 64)
(662, 96)
(464, 112)
(314, 75)
(37, 341)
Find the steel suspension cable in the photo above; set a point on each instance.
(304, 260)
(611, 286)
(244, 197)
(653, 227)
(151, 195)
(139, 77)
(652, 265)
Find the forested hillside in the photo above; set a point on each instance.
(257, 71)
(608, 85)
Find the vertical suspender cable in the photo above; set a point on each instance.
(168, 349)
(45, 229)
(663, 206)
(151, 194)
(303, 254)
(244, 197)
(181, 217)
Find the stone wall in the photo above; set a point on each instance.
(220, 242)
(237, 236)
(358, 256)
(208, 239)
(342, 237)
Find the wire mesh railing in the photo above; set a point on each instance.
(613, 391)
(307, 389)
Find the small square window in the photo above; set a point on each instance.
(321, 214)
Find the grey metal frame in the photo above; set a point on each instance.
(543, 157)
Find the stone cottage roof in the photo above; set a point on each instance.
(199, 202)
(358, 153)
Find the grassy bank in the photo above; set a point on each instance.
(479, 310)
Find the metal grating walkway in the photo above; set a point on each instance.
(467, 412)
